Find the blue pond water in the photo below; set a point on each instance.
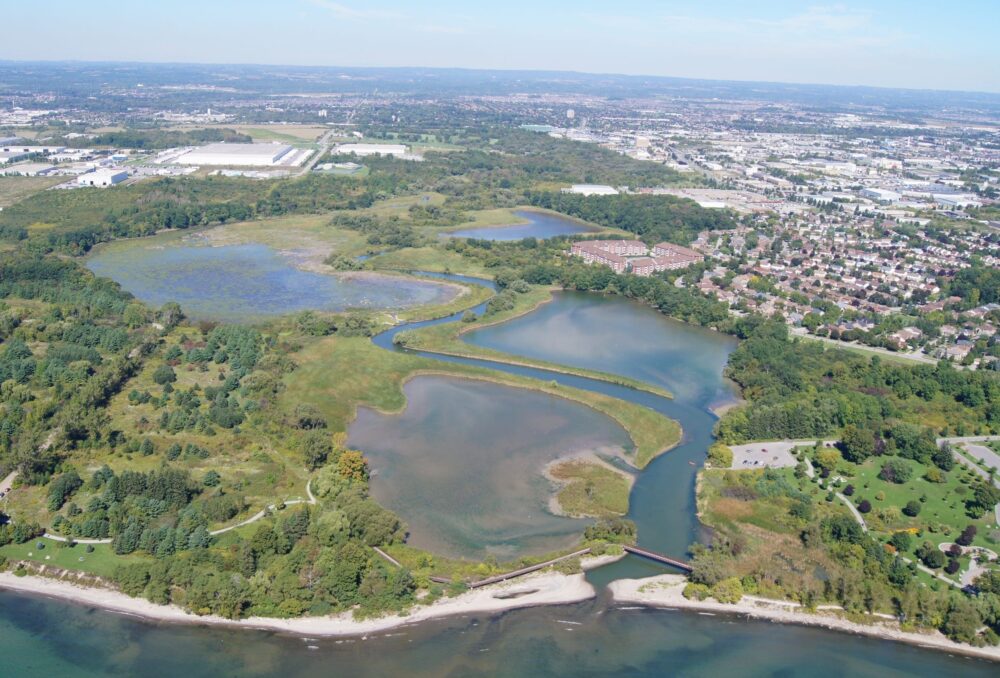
(540, 225)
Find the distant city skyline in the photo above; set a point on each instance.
(891, 43)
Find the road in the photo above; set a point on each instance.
(802, 333)
(324, 146)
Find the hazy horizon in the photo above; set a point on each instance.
(891, 44)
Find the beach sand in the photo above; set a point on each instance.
(666, 591)
(545, 588)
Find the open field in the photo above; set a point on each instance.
(296, 135)
(101, 562)
(15, 189)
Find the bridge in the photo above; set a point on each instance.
(659, 558)
(634, 550)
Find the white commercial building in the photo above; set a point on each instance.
(881, 195)
(957, 201)
(591, 189)
(241, 155)
(102, 177)
(362, 150)
(28, 169)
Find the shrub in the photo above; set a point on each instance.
(901, 541)
(695, 591)
(912, 508)
(952, 567)
(865, 506)
(896, 471)
(849, 490)
(728, 591)
(968, 534)
(164, 374)
(720, 456)
(930, 555)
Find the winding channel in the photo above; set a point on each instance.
(662, 502)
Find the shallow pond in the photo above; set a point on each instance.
(462, 464)
(246, 283)
(612, 334)
(540, 225)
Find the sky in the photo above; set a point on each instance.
(889, 43)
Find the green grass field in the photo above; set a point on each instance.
(942, 516)
(101, 562)
(15, 189)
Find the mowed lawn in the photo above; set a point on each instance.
(101, 562)
(942, 505)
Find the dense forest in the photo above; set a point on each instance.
(653, 218)
(155, 139)
(801, 389)
(71, 344)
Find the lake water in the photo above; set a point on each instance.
(462, 464)
(540, 225)
(246, 283)
(41, 638)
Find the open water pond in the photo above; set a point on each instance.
(462, 464)
(540, 225)
(247, 283)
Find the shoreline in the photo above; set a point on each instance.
(665, 591)
(546, 588)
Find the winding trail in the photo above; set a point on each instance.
(243, 523)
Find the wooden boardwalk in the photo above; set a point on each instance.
(644, 553)
(659, 557)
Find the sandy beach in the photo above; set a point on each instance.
(545, 588)
(666, 591)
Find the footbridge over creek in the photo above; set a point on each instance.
(634, 550)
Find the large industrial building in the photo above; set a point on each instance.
(102, 178)
(244, 155)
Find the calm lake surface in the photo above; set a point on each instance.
(246, 283)
(43, 638)
(540, 225)
(39, 637)
(461, 465)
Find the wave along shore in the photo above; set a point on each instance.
(548, 588)
(667, 591)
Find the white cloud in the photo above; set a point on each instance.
(347, 12)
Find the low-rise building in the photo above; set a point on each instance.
(102, 178)
(591, 189)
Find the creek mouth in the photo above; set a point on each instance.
(662, 501)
